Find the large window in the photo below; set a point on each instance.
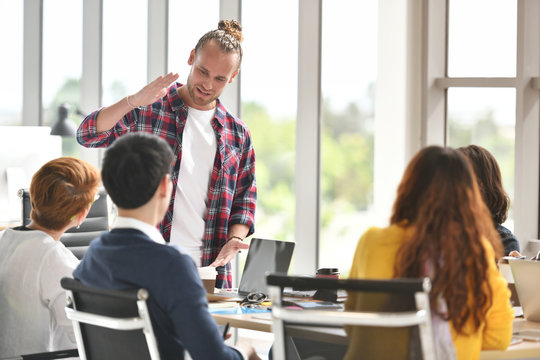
(188, 21)
(349, 67)
(483, 46)
(473, 79)
(62, 64)
(269, 84)
(269, 77)
(482, 38)
(11, 34)
(124, 48)
(485, 117)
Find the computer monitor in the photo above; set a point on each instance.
(23, 150)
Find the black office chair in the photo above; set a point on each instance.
(387, 305)
(76, 240)
(110, 324)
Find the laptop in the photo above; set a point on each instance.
(526, 274)
(264, 256)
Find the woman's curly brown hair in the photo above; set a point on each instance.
(488, 175)
(439, 197)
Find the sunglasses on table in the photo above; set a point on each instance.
(254, 298)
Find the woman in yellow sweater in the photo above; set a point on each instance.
(441, 228)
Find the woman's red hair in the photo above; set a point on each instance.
(439, 197)
(61, 189)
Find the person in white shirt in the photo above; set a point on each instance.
(32, 260)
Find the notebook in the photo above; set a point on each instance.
(526, 274)
(264, 256)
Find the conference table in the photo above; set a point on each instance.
(262, 321)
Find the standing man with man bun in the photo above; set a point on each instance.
(213, 204)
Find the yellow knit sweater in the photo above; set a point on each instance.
(374, 259)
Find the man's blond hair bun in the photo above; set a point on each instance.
(233, 28)
(227, 36)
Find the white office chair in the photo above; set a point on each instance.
(412, 314)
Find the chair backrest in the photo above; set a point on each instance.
(386, 306)
(76, 240)
(110, 324)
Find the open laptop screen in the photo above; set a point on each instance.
(264, 256)
(526, 274)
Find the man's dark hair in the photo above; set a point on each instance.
(133, 166)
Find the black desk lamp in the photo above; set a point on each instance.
(63, 125)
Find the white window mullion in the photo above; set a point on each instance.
(308, 137)
(435, 45)
(396, 114)
(231, 10)
(91, 82)
(92, 69)
(158, 31)
(32, 62)
(445, 83)
(231, 96)
(527, 142)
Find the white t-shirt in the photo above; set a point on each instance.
(199, 147)
(32, 301)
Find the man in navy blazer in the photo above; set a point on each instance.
(136, 174)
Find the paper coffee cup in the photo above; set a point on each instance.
(332, 273)
(208, 276)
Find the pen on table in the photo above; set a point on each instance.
(225, 330)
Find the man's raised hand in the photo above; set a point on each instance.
(153, 91)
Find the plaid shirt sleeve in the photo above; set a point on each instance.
(88, 136)
(245, 198)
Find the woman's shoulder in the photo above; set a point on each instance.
(375, 252)
(57, 254)
(38, 249)
(394, 232)
(382, 238)
(34, 238)
(504, 232)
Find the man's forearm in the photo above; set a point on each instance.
(238, 230)
(110, 115)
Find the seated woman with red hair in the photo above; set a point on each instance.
(33, 260)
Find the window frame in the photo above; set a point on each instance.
(526, 83)
(419, 101)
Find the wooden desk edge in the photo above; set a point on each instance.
(526, 349)
(245, 321)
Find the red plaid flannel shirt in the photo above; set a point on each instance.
(232, 193)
